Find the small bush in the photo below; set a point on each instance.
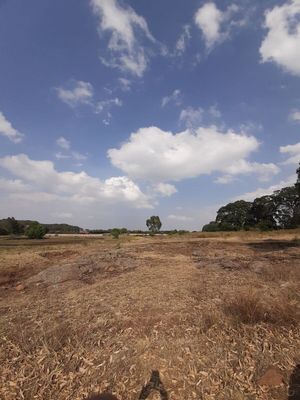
(36, 231)
(3, 232)
(249, 308)
(246, 308)
(211, 227)
(115, 233)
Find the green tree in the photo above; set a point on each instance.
(3, 232)
(211, 227)
(262, 213)
(154, 224)
(115, 233)
(297, 207)
(233, 216)
(35, 231)
(298, 181)
(286, 202)
(13, 227)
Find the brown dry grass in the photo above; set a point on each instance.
(253, 307)
(211, 330)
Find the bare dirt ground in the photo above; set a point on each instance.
(211, 313)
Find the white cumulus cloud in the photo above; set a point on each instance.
(293, 153)
(79, 92)
(6, 129)
(295, 115)
(158, 156)
(164, 189)
(76, 187)
(124, 25)
(282, 42)
(264, 170)
(215, 24)
(250, 196)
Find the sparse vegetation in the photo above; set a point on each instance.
(115, 233)
(35, 231)
(202, 308)
(252, 307)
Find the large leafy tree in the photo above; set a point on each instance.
(280, 210)
(286, 202)
(297, 187)
(233, 216)
(262, 213)
(154, 224)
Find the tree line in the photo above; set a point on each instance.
(280, 210)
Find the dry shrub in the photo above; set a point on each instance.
(209, 319)
(283, 273)
(252, 308)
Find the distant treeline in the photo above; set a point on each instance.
(280, 210)
(11, 226)
(134, 231)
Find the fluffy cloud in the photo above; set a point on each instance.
(250, 196)
(159, 156)
(164, 189)
(174, 97)
(215, 24)
(293, 153)
(264, 171)
(80, 92)
(42, 177)
(282, 42)
(83, 93)
(6, 129)
(295, 116)
(123, 24)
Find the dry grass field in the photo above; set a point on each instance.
(211, 312)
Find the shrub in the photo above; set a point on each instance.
(3, 232)
(115, 233)
(36, 231)
(264, 226)
(211, 227)
(249, 308)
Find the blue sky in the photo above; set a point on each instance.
(111, 111)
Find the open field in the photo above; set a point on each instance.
(211, 312)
